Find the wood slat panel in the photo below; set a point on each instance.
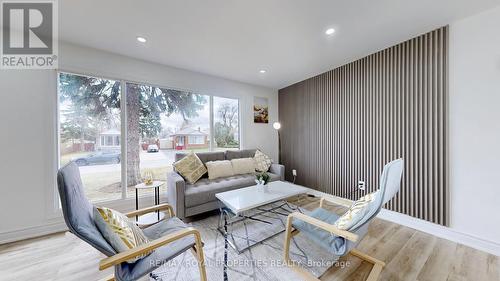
(342, 126)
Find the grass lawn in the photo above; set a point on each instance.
(104, 186)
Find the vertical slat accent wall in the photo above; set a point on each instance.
(342, 126)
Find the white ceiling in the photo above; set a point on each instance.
(236, 38)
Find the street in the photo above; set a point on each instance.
(148, 161)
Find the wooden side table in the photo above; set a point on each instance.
(142, 186)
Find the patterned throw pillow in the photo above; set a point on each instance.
(190, 167)
(262, 161)
(356, 212)
(120, 232)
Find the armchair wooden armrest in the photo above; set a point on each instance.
(323, 225)
(148, 247)
(338, 201)
(161, 207)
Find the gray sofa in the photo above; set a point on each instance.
(192, 199)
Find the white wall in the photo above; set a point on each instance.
(475, 125)
(27, 151)
(27, 116)
(28, 131)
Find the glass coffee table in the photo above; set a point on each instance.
(254, 203)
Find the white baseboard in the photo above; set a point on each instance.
(425, 226)
(32, 232)
(56, 223)
(441, 231)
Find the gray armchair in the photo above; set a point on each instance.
(169, 237)
(318, 225)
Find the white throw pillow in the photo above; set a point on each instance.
(262, 161)
(243, 166)
(219, 169)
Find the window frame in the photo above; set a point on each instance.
(123, 130)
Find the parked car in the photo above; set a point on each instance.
(153, 148)
(99, 157)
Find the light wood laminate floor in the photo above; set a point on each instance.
(409, 255)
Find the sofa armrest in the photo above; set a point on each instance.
(278, 169)
(175, 193)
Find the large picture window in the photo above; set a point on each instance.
(165, 119)
(89, 122)
(160, 122)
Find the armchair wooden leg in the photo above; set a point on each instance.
(289, 233)
(197, 251)
(321, 202)
(288, 236)
(378, 265)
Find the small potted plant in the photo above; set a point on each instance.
(262, 179)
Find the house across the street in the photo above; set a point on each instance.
(189, 138)
(109, 140)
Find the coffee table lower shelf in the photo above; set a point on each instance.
(227, 218)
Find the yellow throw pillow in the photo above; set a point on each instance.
(190, 168)
(243, 166)
(262, 161)
(219, 169)
(120, 232)
(356, 212)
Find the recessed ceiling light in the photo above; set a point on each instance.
(330, 31)
(141, 39)
(262, 71)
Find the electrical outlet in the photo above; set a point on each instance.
(294, 172)
(361, 185)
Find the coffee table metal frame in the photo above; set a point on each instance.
(227, 218)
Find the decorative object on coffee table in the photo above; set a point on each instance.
(262, 178)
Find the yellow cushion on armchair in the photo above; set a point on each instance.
(120, 232)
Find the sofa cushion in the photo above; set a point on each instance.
(243, 166)
(190, 167)
(204, 190)
(262, 161)
(244, 153)
(219, 169)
